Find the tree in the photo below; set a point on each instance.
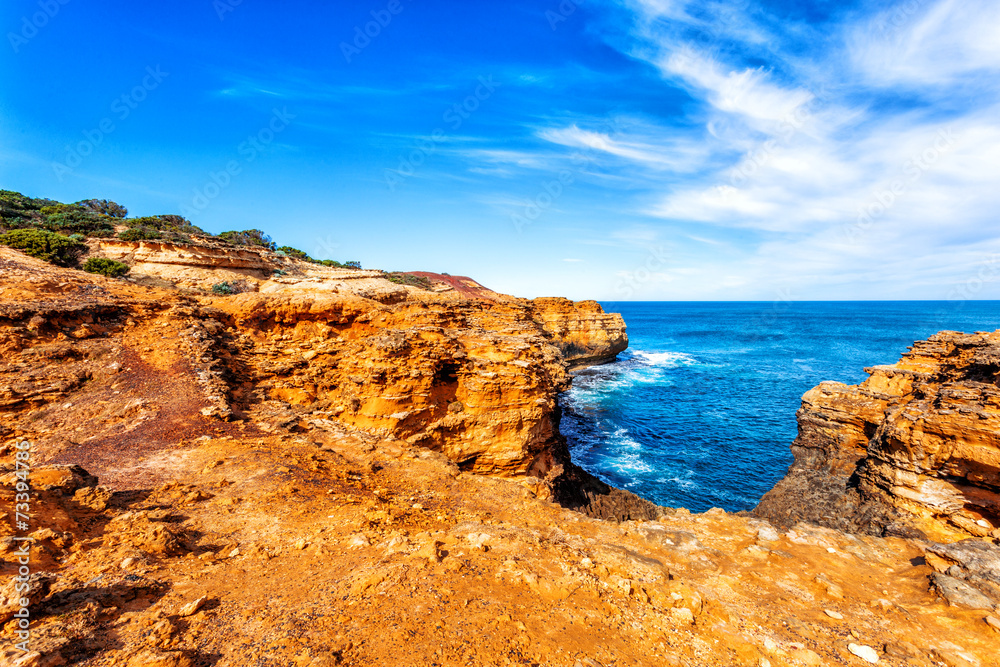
(104, 207)
(249, 237)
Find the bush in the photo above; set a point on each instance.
(106, 267)
(18, 211)
(249, 237)
(104, 207)
(337, 265)
(140, 234)
(72, 218)
(230, 287)
(165, 223)
(48, 246)
(294, 252)
(401, 278)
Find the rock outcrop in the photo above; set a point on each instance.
(582, 331)
(913, 449)
(474, 378)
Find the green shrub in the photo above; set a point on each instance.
(104, 207)
(230, 287)
(106, 267)
(165, 223)
(72, 218)
(48, 246)
(401, 278)
(249, 237)
(294, 252)
(140, 234)
(337, 265)
(18, 211)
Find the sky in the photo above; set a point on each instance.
(621, 150)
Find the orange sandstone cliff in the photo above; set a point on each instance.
(333, 469)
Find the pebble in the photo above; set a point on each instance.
(684, 616)
(359, 541)
(807, 657)
(192, 608)
(866, 653)
(993, 622)
(767, 534)
(127, 562)
(834, 614)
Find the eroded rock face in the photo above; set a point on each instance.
(916, 446)
(582, 331)
(473, 378)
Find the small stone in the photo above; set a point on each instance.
(192, 608)
(767, 533)
(993, 622)
(807, 657)
(234, 553)
(586, 563)
(310, 355)
(834, 614)
(301, 544)
(127, 563)
(682, 615)
(866, 653)
(359, 541)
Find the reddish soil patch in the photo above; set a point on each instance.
(462, 284)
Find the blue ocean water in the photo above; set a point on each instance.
(699, 412)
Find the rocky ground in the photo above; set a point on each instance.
(261, 499)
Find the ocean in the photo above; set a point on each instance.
(699, 412)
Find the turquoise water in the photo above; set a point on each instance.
(700, 411)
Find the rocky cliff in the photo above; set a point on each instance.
(916, 447)
(288, 476)
(474, 378)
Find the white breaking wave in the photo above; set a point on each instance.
(666, 358)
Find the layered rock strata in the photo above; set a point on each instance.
(916, 446)
(474, 378)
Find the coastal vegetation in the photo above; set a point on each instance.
(401, 278)
(56, 232)
(106, 267)
(48, 246)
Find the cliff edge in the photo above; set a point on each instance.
(915, 449)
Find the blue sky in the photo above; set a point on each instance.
(642, 149)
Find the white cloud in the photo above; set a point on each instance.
(810, 176)
(659, 151)
(920, 43)
(749, 92)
